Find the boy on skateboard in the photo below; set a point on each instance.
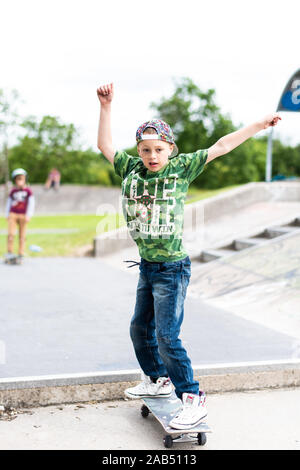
(19, 210)
(154, 188)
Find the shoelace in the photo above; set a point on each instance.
(166, 382)
(186, 410)
(131, 261)
(202, 398)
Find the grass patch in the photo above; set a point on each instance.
(195, 194)
(62, 244)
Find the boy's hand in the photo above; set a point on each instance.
(269, 120)
(27, 219)
(105, 94)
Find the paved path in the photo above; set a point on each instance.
(255, 420)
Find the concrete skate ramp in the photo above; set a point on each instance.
(261, 284)
(83, 199)
(215, 220)
(73, 199)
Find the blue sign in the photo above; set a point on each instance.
(290, 98)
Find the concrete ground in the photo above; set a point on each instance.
(267, 419)
(71, 315)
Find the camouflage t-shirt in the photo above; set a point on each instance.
(153, 202)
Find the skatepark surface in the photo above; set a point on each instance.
(77, 320)
(71, 316)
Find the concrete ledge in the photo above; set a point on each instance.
(100, 386)
(112, 241)
(205, 210)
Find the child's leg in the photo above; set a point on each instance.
(142, 331)
(12, 227)
(22, 233)
(47, 184)
(169, 291)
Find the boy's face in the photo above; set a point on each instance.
(20, 181)
(154, 153)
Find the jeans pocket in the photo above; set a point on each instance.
(186, 262)
(185, 280)
(186, 268)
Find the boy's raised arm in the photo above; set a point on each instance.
(234, 139)
(104, 143)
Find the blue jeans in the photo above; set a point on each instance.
(155, 325)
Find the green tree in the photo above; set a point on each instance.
(51, 133)
(50, 143)
(285, 159)
(198, 123)
(8, 122)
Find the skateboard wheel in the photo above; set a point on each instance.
(168, 441)
(201, 438)
(145, 411)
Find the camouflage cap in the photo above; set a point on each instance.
(163, 130)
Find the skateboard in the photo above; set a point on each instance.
(13, 259)
(164, 409)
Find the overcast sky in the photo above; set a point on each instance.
(56, 53)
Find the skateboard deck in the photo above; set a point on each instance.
(164, 409)
(12, 260)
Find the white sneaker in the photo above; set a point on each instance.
(192, 411)
(148, 389)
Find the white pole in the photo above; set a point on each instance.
(269, 157)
